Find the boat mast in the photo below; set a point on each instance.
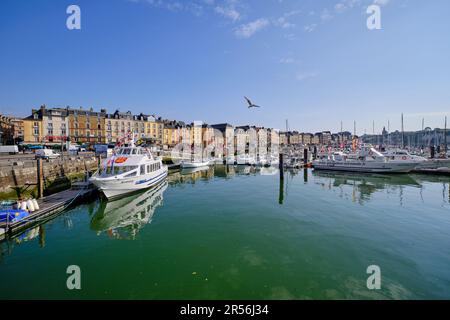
(389, 133)
(445, 135)
(403, 135)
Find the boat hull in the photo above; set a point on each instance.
(382, 167)
(191, 165)
(117, 188)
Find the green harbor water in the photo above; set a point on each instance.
(238, 233)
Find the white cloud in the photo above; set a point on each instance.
(310, 27)
(381, 2)
(306, 75)
(228, 12)
(283, 23)
(325, 15)
(287, 61)
(247, 30)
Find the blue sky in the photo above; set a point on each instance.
(313, 62)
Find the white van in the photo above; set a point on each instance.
(46, 154)
(9, 149)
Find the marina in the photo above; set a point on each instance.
(222, 154)
(311, 236)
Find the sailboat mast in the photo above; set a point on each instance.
(403, 134)
(445, 135)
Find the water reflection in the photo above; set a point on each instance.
(123, 218)
(361, 187)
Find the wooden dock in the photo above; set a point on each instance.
(49, 207)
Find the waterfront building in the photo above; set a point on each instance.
(262, 142)
(170, 134)
(139, 126)
(316, 138)
(119, 125)
(32, 128)
(18, 130)
(307, 138)
(224, 138)
(293, 137)
(273, 139)
(86, 126)
(184, 133)
(54, 124)
(154, 129)
(46, 126)
(6, 130)
(242, 139)
(197, 133)
(207, 135)
(283, 138)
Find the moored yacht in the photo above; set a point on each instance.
(367, 159)
(130, 169)
(403, 155)
(194, 164)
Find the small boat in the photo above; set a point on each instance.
(195, 163)
(245, 159)
(129, 170)
(11, 216)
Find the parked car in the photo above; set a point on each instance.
(47, 154)
(13, 149)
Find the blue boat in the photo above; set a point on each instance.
(12, 215)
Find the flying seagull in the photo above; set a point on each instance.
(250, 104)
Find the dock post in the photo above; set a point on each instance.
(305, 157)
(281, 192)
(40, 178)
(281, 166)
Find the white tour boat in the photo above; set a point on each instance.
(130, 169)
(366, 160)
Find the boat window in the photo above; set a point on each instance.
(142, 169)
(148, 168)
(131, 174)
(126, 151)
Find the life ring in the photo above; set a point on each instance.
(121, 160)
(404, 158)
(370, 153)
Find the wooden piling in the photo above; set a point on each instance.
(305, 156)
(281, 192)
(281, 166)
(40, 178)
